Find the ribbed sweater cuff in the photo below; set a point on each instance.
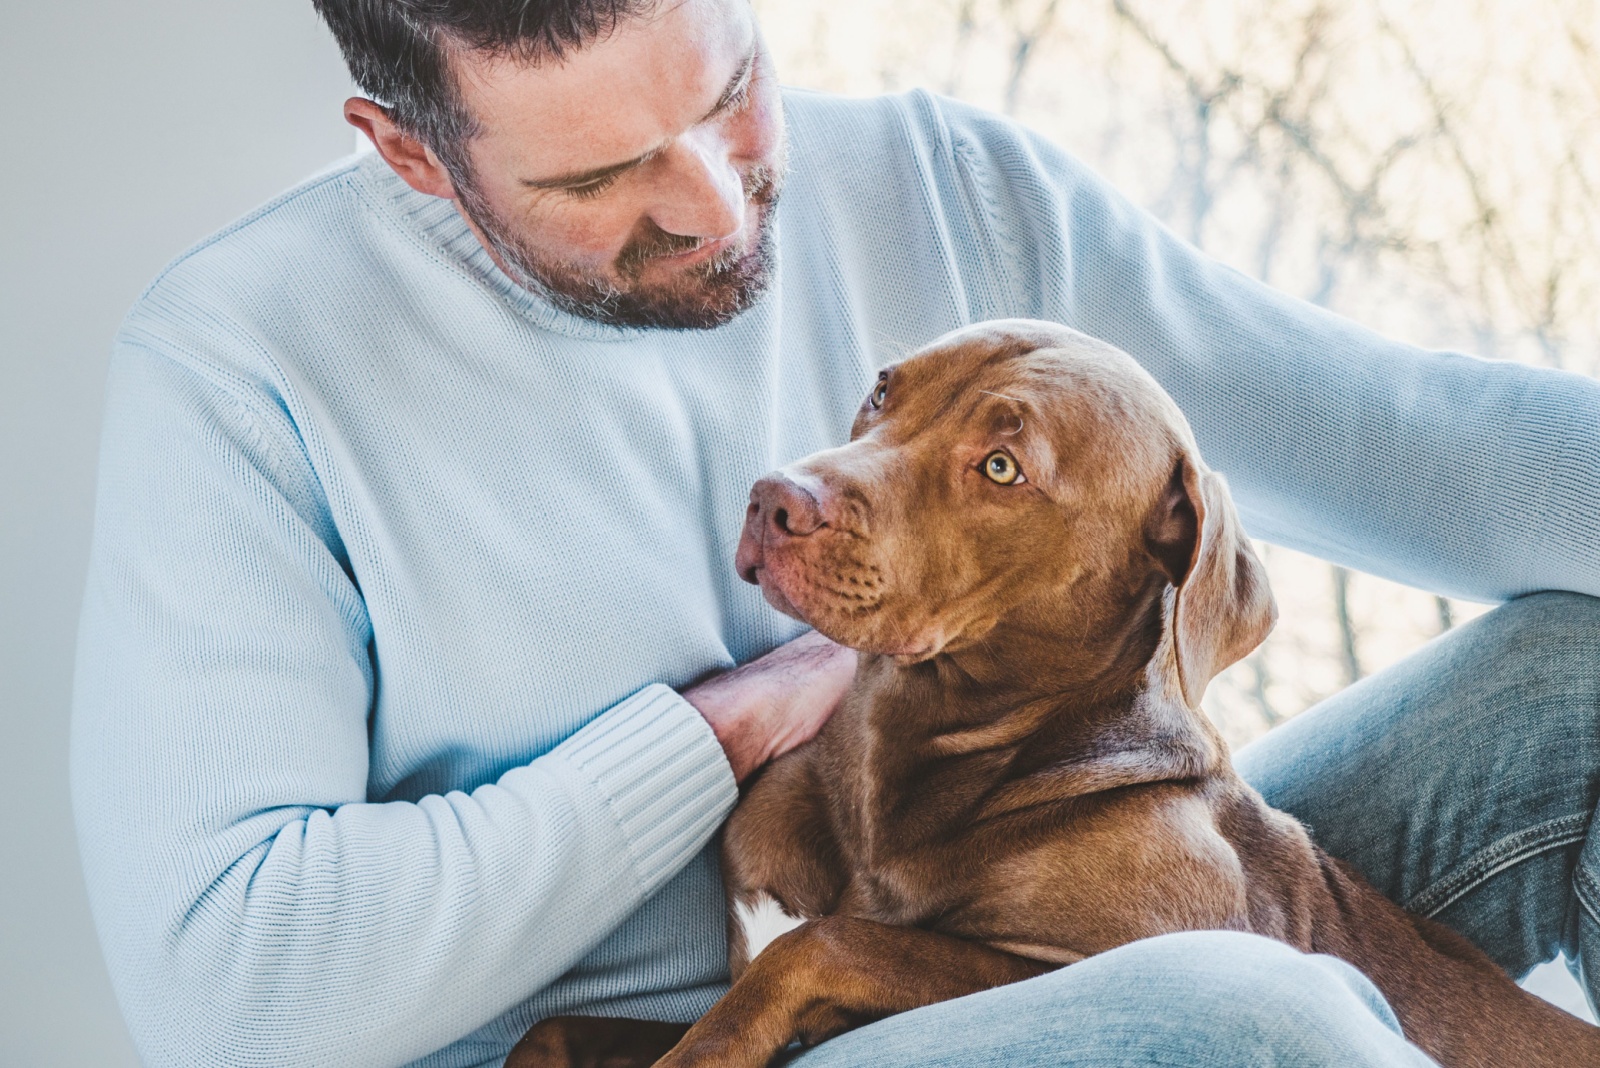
(661, 768)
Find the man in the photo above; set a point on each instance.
(399, 723)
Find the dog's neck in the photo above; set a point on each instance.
(1034, 713)
(1087, 648)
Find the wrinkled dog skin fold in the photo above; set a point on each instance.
(1042, 575)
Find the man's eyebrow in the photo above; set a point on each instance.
(735, 85)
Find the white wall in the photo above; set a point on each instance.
(127, 132)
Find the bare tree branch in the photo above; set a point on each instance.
(1347, 630)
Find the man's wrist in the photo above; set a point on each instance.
(761, 710)
(727, 702)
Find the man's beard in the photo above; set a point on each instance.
(699, 298)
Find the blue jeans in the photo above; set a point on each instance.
(1462, 781)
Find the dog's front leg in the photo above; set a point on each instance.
(833, 974)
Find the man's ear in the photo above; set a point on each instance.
(412, 160)
(1222, 606)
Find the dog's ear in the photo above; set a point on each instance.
(1222, 606)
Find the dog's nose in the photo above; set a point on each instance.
(786, 507)
(779, 509)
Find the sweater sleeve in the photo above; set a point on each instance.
(1473, 478)
(255, 908)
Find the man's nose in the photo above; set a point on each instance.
(783, 507)
(704, 193)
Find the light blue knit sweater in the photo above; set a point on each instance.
(376, 758)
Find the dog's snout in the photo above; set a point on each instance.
(790, 509)
(780, 509)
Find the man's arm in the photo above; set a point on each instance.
(1474, 478)
(254, 907)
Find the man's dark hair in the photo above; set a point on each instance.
(399, 52)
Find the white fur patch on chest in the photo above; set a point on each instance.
(763, 921)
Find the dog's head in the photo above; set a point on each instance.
(1015, 481)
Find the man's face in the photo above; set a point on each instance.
(634, 181)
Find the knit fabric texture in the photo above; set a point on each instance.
(376, 753)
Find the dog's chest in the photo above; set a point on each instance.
(901, 831)
(890, 893)
(901, 863)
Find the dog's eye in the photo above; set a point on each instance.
(879, 391)
(1001, 468)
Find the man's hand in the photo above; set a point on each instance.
(765, 708)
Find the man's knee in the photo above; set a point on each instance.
(1534, 660)
(1540, 628)
(1531, 662)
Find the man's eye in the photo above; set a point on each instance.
(742, 97)
(737, 100)
(591, 189)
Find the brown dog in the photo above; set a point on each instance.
(1043, 577)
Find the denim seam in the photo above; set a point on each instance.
(1498, 856)
(1587, 890)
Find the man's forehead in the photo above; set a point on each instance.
(617, 98)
